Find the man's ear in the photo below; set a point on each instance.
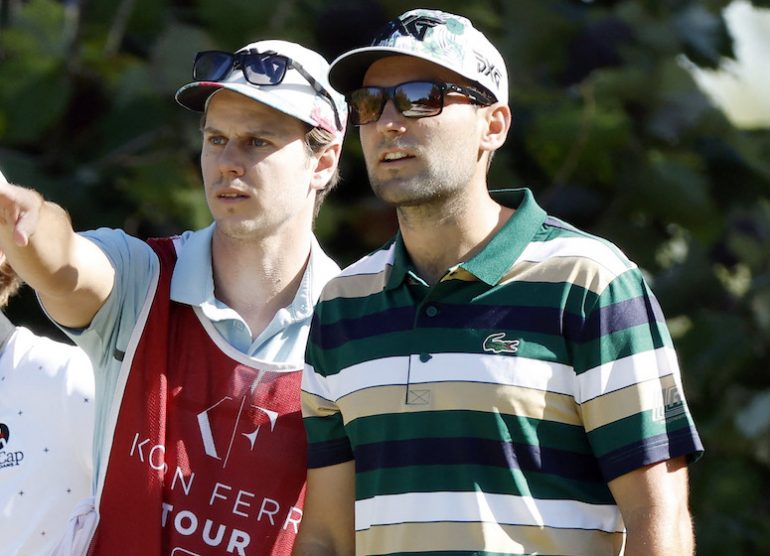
(326, 162)
(497, 123)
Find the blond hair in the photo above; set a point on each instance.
(9, 283)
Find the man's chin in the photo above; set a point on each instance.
(239, 230)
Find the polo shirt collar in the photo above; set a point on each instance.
(192, 281)
(491, 263)
(402, 264)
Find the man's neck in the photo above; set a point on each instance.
(441, 236)
(258, 278)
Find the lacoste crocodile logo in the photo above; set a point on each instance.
(496, 343)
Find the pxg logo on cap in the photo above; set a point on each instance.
(445, 39)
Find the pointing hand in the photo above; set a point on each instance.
(19, 211)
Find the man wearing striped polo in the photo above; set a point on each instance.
(492, 380)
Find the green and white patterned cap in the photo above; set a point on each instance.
(445, 39)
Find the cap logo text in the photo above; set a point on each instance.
(413, 26)
(487, 68)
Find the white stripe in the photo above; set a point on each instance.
(314, 383)
(593, 249)
(497, 369)
(637, 368)
(379, 372)
(371, 264)
(429, 507)
(463, 367)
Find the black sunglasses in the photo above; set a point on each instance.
(259, 68)
(413, 99)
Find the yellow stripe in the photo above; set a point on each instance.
(445, 396)
(489, 537)
(316, 406)
(356, 285)
(637, 398)
(459, 273)
(580, 271)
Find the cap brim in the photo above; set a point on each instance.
(347, 72)
(193, 96)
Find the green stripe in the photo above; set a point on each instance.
(474, 424)
(512, 294)
(640, 426)
(540, 347)
(477, 478)
(327, 428)
(625, 286)
(624, 343)
(341, 308)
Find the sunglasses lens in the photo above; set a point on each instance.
(366, 105)
(212, 66)
(264, 70)
(416, 99)
(419, 99)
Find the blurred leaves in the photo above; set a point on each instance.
(609, 130)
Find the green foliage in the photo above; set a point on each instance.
(610, 131)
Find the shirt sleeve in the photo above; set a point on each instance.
(328, 443)
(105, 339)
(629, 384)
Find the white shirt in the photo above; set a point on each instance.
(46, 427)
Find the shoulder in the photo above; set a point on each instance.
(560, 252)
(50, 358)
(109, 239)
(322, 267)
(366, 276)
(560, 239)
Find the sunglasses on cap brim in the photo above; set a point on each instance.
(413, 99)
(259, 68)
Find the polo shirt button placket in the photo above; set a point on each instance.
(430, 312)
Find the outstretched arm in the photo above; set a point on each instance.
(327, 527)
(70, 274)
(653, 502)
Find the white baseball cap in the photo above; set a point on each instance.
(295, 83)
(445, 39)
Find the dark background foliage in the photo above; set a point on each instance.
(610, 131)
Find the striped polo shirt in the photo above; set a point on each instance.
(487, 413)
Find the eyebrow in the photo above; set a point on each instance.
(258, 132)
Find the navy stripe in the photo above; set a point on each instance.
(330, 452)
(680, 442)
(621, 316)
(331, 336)
(476, 451)
(551, 321)
(540, 320)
